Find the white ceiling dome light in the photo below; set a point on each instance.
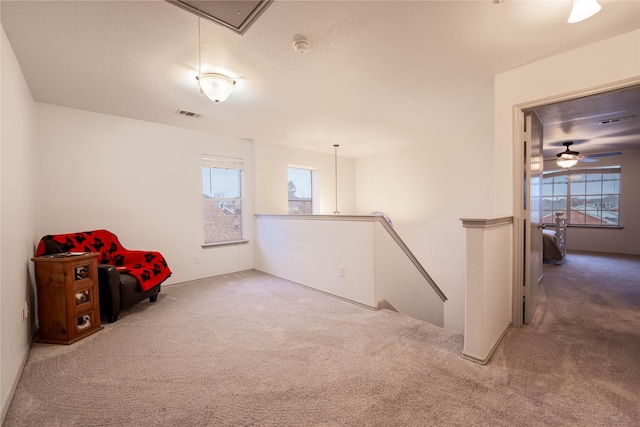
(216, 86)
(583, 9)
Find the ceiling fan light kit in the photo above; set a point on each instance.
(567, 158)
(567, 162)
(583, 9)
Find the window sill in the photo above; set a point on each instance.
(603, 227)
(232, 242)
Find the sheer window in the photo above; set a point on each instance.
(222, 200)
(589, 196)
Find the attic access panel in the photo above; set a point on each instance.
(237, 15)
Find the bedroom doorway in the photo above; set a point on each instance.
(525, 261)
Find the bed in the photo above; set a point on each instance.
(553, 241)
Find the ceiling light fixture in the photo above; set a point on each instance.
(216, 86)
(567, 158)
(583, 9)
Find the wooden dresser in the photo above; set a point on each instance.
(68, 306)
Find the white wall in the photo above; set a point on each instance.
(400, 283)
(627, 239)
(425, 192)
(140, 180)
(271, 163)
(18, 210)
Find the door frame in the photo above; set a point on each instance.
(518, 267)
(532, 230)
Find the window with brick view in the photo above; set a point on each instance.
(222, 200)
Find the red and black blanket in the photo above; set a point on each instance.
(149, 268)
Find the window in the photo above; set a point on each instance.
(300, 191)
(222, 200)
(589, 196)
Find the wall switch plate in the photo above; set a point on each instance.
(196, 259)
(341, 271)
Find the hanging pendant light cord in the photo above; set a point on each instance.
(199, 52)
(335, 149)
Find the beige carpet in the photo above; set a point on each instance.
(249, 349)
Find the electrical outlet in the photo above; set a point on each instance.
(341, 271)
(196, 259)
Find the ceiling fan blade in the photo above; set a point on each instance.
(613, 153)
(587, 160)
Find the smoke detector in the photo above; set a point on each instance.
(301, 45)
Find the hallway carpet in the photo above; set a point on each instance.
(249, 349)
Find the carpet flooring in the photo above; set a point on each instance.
(249, 349)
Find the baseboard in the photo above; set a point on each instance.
(493, 349)
(14, 382)
(384, 304)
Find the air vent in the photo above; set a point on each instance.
(188, 113)
(616, 120)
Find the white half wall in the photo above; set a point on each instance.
(334, 256)
(18, 220)
(401, 284)
(140, 180)
(352, 257)
(487, 299)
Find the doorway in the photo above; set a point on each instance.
(571, 113)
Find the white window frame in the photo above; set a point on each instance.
(313, 196)
(605, 169)
(228, 163)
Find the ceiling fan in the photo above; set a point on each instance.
(569, 158)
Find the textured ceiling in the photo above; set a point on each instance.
(596, 124)
(380, 75)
